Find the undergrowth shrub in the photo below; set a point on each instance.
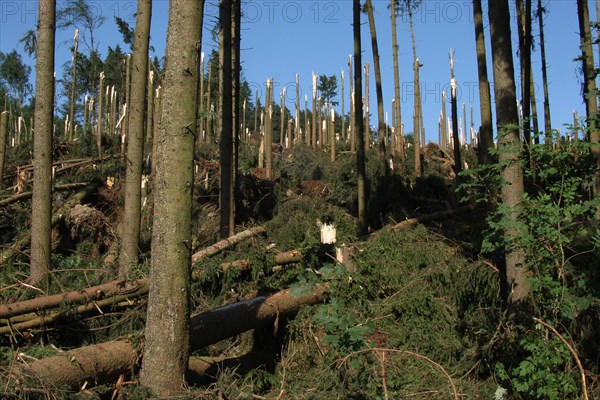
(559, 237)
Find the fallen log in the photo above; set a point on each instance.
(225, 243)
(45, 319)
(25, 195)
(433, 216)
(93, 364)
(25, 239)
(97, 293)
(102, 362)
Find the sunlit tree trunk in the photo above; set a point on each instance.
(397, 120)
(130, 236)
(378, 86)
(73, 83)
(166, 350)
(417, 90)
(486, 135)
(454, 106)
(524, 26)
(363, 223)
(41, 203)
(226, 142)
(509, 145)
(589, 89)
(547, 120)
(352, 107)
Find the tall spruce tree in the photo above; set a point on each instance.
(135, 141)
(166, 352)
(41, 203)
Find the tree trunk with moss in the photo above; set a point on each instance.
(589, 89)
(41, 203)
(509, 145)
(167, 324)
(133, 166)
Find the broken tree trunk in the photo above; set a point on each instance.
(102, 362)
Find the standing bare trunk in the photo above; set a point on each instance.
(534, 113)
(167, 324)
(149, 105)
(547, 120)
(343, 133)
(314, 110)
(397, 120)
(130, 237)
(3, 136)
(455, 137)
(509, 144)
(209, 104)
(486, 135)
(367, 125)
(363, 223)
(73, 83)
(524, 26)
(378, 86)
(236, 19)
(352, 107)
(100, 125)
(417, 90)
(268, 138)
(226, 143)
(201, 110)
(282, 118)
(41, 202)
(589, 89)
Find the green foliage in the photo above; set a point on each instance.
(327, 87)
(545, 372)
(556, 231)
(14, 75)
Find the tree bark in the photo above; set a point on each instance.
(454, 106)
(3, 136)
(509, 150)
(397, 121)
(589, 89)
(547, 120)
(378, 86)
(226, 143)
(167, 325)
(363, 222)
(486, 135)
(130, 237)
(524, 27)
(41, 204)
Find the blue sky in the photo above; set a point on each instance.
(281, 38)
